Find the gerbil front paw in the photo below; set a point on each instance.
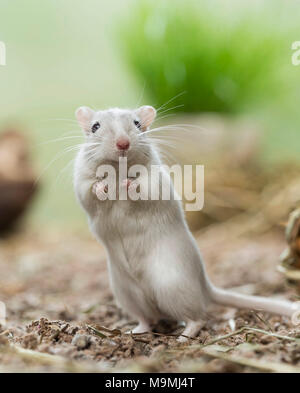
(100, 189)
(130, 184)
(126, 183)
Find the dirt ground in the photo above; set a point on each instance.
(61, 315)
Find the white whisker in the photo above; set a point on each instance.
(58, 140)
(170, 109)
(141, 96)
(172, 99)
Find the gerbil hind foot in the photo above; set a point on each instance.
(142, 327)
(192, 328)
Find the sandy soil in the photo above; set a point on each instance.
(61, 315)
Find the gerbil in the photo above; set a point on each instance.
(155, 268)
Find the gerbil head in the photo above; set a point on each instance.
(115, 133)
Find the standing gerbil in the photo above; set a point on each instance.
(155, 267)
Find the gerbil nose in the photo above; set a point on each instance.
(123, 144)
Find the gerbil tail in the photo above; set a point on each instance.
(234, 299)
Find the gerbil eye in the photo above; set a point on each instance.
(137, 123)
(96, 126)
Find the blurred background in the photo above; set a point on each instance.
(225, 67)
(221, 75)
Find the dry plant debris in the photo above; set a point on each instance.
(61, 315)
(17, 178)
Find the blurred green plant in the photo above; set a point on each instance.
(225, 57)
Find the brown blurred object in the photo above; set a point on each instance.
(228, 148)
(17, 179)
(241, 192)
(290, 258)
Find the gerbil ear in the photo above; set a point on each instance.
(146, 114)
(84, 116)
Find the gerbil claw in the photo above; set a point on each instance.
(133, 185)
(130, 184)
(126, 183)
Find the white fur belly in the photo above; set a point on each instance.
(132, 295)
(128, 243)
(125, 228)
